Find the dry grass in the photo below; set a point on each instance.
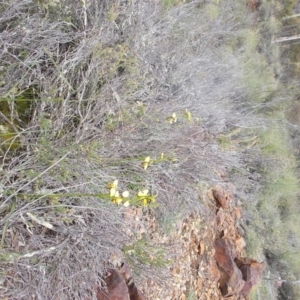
(98, 81)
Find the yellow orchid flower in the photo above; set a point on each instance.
(172, 119)
(146, 162)
(144, 196)
(125, 194)
(113, 185)
(143, 193)
(112, 192)
(188, 114)
(116, 198)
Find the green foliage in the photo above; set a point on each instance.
(284, 183)
(170, 3)
(255, 245)
(287, 7)
(142, 251)
(258, 77)
(212, 11)
(46, 4)
(9, 139)
(250, 40)
(265, 290)
(15, 111)
(274, 141)
(114, 60)
(294, 53)
(275, 214)
(237, 139)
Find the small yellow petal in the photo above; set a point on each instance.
(125, 194)
(143, 193)
(147, 159)
(145, 165)
(113, 184)
(144, 201)
(174, 118)
(162, 155)
(112, 192)
(188, 114)
(117, 194)
(170, 120)
(119, 200)
(126, 203)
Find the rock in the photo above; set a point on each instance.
(134, 293)
(251, 272)
(231, 279)
(220, 217)
(213, 271)
(221, 197)
(116, 287)
(120, 286)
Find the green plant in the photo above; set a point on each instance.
(170, 3)
(237, 139)
(275, 141)
(142, 251)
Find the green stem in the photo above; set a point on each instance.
(25, 195)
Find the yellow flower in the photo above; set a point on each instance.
(143, 193)
(116, 198)
(125, 194)
(113, 188)
(126, 203)
(146, 162)
(113, 185)
(188, 114)
(172, 119)
(112, 192)
(145, 197)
